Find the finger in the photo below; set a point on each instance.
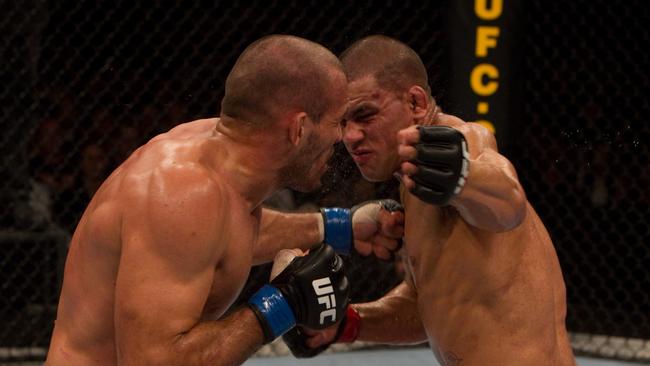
(384, 241)
(365, 231)
(407, 152)
(320, 338)
(396, 228)
(363, 247)
(408, 136)
(315, 341)
(408, 168)
(381, 252)
(282, 260)
(392, 223)
(408, 182)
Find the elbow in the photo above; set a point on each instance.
(497, 213)
(516, 209)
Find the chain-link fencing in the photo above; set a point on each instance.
(84, 83)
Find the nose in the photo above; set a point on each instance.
(352, 134)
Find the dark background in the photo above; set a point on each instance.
(84, 83)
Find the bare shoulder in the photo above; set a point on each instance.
(188, 188)
(178, 208)
(474, 132)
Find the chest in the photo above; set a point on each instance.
(427, 230)
(447, 258)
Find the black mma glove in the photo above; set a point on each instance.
(443, 164)
(311, 291)
(347, 332)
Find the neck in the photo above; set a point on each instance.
(250, 159)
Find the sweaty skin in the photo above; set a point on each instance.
(167, 242)
(483, 283)
(162, 251)
(118, 273)
(485, 297)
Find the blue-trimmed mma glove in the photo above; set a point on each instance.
(312, 291)
(343, 226)
(443, 164)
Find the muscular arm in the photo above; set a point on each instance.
(393, 319)
(171, 247)
(279, 230)
(376, 229)
(492, 199)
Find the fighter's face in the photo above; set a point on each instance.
(311, 162)
(373, 118)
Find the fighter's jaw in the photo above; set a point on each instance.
(373, 171)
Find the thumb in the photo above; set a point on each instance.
(282, 260)
(321, 337)
(392, 223)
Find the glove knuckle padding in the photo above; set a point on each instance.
(316, 287)
(438, 134)
(391, 205)
(387, 204)
(442, 162)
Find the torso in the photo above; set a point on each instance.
(84, 331)
(483, 297)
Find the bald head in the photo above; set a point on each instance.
(281, 73)
(394, 64)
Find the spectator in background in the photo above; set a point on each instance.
(129, 137)
(95, 167)
(36, 204)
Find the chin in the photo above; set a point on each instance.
(376, 176)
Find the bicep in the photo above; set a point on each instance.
(483, 145)
(165, 274)
(154, 300)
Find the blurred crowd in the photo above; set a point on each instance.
(76, 142)
(74, 145)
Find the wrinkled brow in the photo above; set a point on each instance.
(360, 110)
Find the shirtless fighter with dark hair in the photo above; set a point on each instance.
(483, 284)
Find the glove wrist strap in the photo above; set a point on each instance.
(352, 326)
(273, 312)
(338, 229)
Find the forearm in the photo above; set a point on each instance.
(393, 319)
(279, 230)
(492, 199)
(228, 341)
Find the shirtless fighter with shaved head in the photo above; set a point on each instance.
(483, 284)
(167, 242)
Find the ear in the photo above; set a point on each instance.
(296, 128)
(419, 101)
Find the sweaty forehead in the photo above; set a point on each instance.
(364, 95)
(366, 88)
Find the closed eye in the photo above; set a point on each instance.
(362, 113)
(365, 117)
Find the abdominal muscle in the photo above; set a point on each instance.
(483, 297)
